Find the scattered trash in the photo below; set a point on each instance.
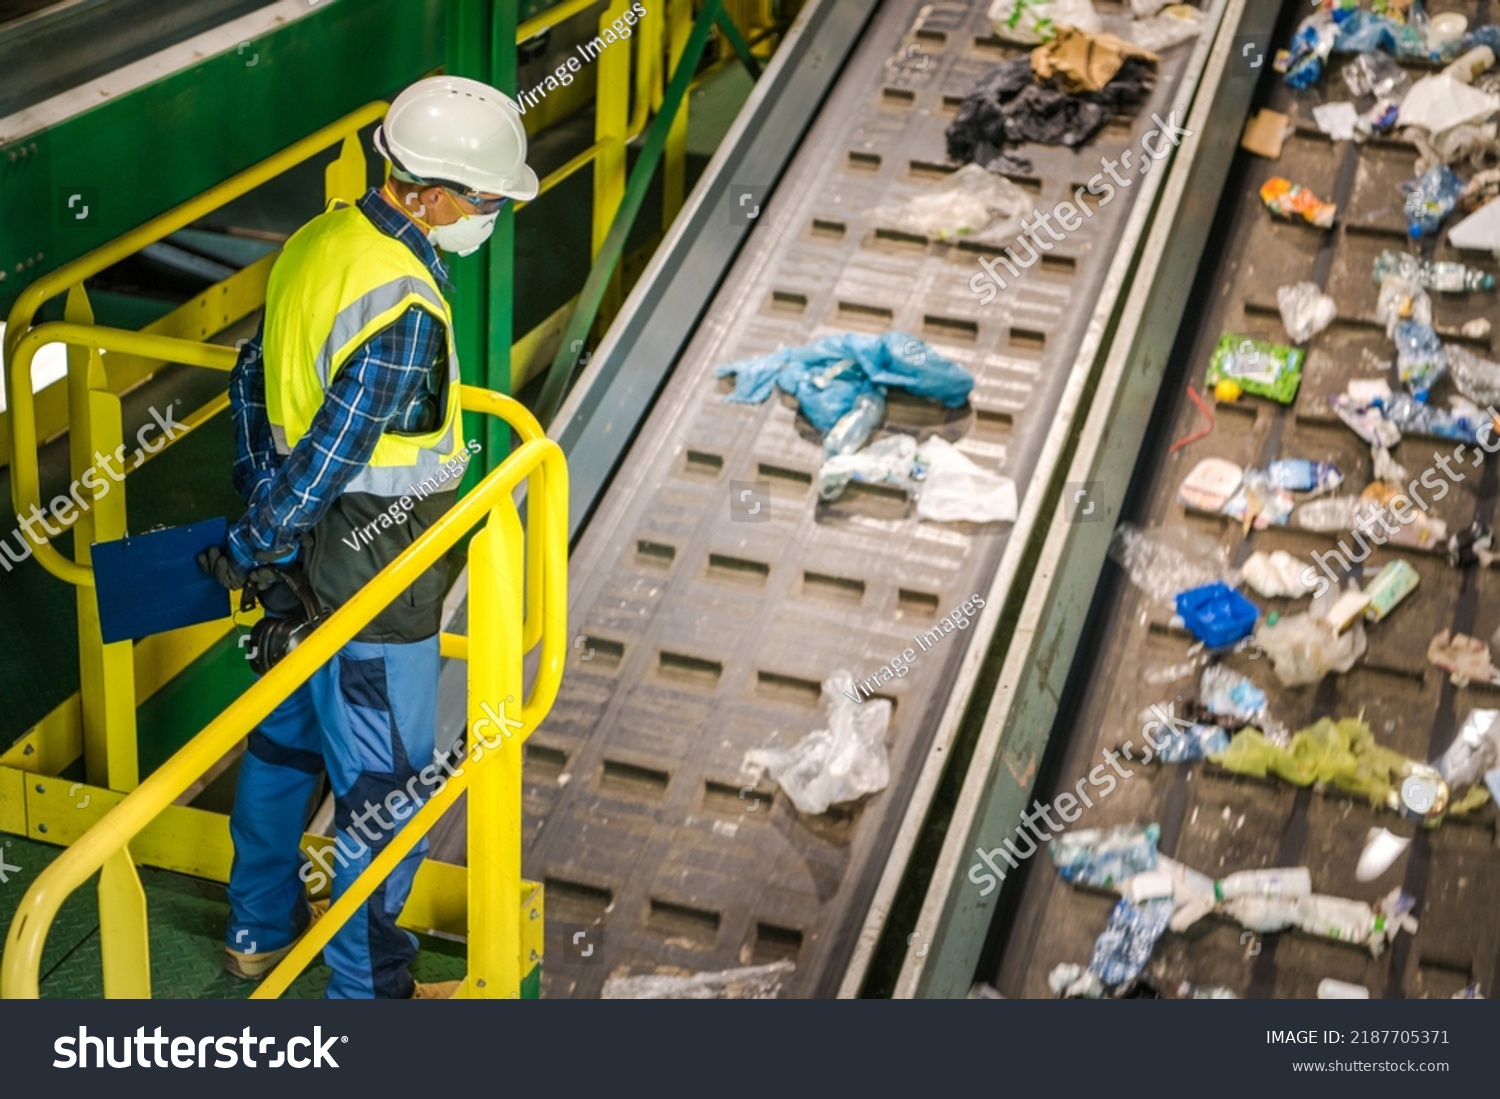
(1263, 369)
(1476, 329)
(1399, 301)
(1383, 466)
(1172, 26)
(1420, 357)
(1476, 378)
(1265, 133)
(1125, 946)
(1447, 277)
(829, 375)
(1293, 881)
(1382, 849)
(956, 490)
(1468, 992)
(1084, 61)
(1393, 583)
(1337, 120)
(1173, 672)
(1446, 28)
(1189, 991)
(1165, 561)
(970, 204)
(1423, 796)
(1329, 989)
(1376, 74)
(1469, 65)
(1275, 575)
(1480, 232)
(1201, 433)
(1304, 475)
(1329, 917)
(1362, 31)
(1429, 199)
(1466, 659)
(1228, 390)
(1071, 981)
(1031, 22)
(1305, 310)
(891, 461)
(1346, 609)
(1439, 102)
(1474, 755)
(1210, 484)
(1304, 648)
(1310, 46)
(1216, 614)
(1007, 106)
(855, 427)
(1226, 693)
(1471, 546)
(1260, 502)
(840, 763)
(1460, 420)
(1290, 200)
(1101, 857)
(756, 982)
(1198, 741)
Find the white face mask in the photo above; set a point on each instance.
(464, 236)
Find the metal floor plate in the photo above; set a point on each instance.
(705, 631)
(1218, 822)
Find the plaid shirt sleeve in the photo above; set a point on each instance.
(390, 383)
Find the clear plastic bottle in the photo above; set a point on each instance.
(854, 427)
(1450, 278)
(1294, 881)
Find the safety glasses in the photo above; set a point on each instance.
(482, 206)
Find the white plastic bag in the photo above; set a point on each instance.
(972, 203)
(1304, 648)
(956, 490)
(1032, 22)
(1172, 26)
(840, 763)
(1305, 310)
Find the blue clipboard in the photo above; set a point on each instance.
(150, 583)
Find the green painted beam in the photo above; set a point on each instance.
(137, 155)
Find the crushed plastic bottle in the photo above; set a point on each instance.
(1124, 947)
(1377, 74)
(1430, 198)
(1447, 277)
(1412, 416)
(1310, 47)
(1476, 378)
(854, 427)
(1101, 857)
(1401, 299)
(1420, 357)
(1164, 562)
(1305, 310)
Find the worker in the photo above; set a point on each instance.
(348, 447)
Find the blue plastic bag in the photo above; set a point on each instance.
(828, 376)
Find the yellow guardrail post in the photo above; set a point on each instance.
(494, 825)
(124, 945)
(106, 673)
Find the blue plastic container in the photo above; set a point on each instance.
(1216, 614)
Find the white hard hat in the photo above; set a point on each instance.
(458, 133)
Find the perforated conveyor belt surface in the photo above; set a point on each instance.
(707, 631)
(1219, 822)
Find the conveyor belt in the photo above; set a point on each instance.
(1211, 819)
(701, 636)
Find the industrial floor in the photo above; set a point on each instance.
(1219, 822)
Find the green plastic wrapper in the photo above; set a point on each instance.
(1339, 753)
(1271, 370)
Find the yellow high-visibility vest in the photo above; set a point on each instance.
(339, 281)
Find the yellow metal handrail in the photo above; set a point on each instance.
(496, 650)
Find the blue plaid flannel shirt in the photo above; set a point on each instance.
(391, 383)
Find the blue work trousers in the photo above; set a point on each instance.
(368, 717)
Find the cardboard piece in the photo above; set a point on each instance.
(1266, 133)
(1083, 62)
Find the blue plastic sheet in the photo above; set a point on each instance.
(828, 376)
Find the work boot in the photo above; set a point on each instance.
(252, 967)
(437, 990)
